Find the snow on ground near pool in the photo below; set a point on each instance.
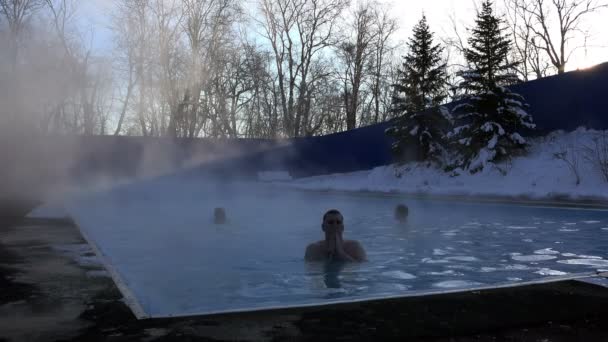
(537, 175)
(159, 243)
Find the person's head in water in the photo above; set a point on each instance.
(401, 212)
(333, 223)
(219, 216)
(334, 247)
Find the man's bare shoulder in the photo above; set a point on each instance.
(355, 249)
(314, 251)
(318, 244)
(352, 243)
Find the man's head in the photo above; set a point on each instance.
(219, 216)
(401, 212)
(333, 221)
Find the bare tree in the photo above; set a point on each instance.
(532, 62)
(455, 47)
(167, 18)
(198, 25)
(16, 13)
(232, 82)
(133, 31)
(597, 153)
(208, 25)
(538, 17)
(570, 154)
(86, 84)
(261, 112)
(455, 40)
(385, 28)
(356, 52)
(127, 39)
(329, 105)
(297, 30)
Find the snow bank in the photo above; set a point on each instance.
(537, 175)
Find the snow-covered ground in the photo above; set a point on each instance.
(538, 175)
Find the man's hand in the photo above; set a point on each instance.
(331, 246)
(340, 252)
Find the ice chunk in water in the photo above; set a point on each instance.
(546, 251)
(445, 273)
(462, 258)
(450, 284)
(517, 267)
(589, 257)
(434, 261)
(532, 257)
(550, 272)
(589, 262)
(399, 275)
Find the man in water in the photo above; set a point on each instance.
(401, 212)
(219, 216)
(334, 247)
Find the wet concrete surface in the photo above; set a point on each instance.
(53, 290)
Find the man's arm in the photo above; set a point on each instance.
(356, 251)
(312, 253)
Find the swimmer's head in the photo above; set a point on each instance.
(219, 216)
(401, 212)
(333, 221)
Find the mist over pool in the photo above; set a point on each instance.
(159, 239)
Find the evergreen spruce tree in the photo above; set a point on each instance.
(421, 125)
(490, 121)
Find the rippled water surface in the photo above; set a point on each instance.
(160, 240)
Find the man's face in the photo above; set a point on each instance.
(333, 223)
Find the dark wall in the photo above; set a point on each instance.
(568, 101)
(358, 149)
(120, 156)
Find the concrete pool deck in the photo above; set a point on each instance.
(50, 292)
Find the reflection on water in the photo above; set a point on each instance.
(331, 273)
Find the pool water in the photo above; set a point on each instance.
(159, 239)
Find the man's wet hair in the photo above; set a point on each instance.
(331, 212)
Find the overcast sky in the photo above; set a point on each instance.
(407, 12)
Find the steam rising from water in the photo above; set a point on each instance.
(148, 228)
